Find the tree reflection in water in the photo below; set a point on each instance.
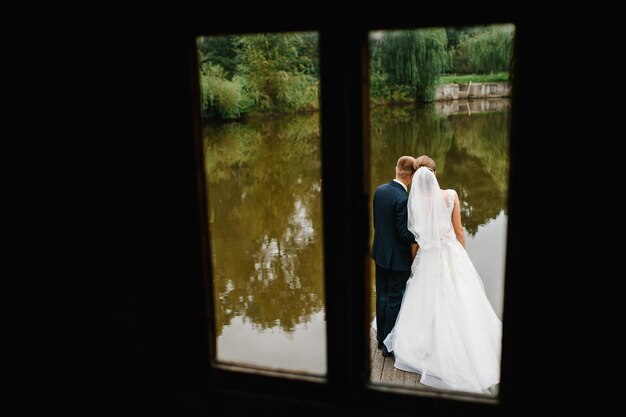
(471, 150)
(264, 188)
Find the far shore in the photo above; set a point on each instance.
(471, 90)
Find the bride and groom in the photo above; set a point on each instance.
(432, 313)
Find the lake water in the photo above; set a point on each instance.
(264, 187)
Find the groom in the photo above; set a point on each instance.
(391, 249)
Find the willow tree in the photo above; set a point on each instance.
(415, 58)
(487, 49)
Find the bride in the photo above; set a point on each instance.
(446, 330)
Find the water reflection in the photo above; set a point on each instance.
(264, 187)
(471, 149)
(487, 249)
(301, 349)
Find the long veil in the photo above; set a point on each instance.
(428, 218)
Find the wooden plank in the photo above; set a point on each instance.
(383, 370)
(391, 374)
(376, 360)
(409, 378)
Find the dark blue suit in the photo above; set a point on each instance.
(391, 251)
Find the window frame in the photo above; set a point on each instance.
(345, 149)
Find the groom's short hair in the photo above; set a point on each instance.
(404, 167)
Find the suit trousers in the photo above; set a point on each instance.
(390, 286)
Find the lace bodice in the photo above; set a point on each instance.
(450, 194)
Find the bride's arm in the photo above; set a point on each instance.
(414, 249)
(456, 220)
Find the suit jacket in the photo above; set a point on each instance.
(391, 247)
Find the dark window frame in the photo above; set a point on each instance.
(345, 151)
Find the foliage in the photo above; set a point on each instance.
(413, 59)
(484, 50)
(218, 50)
(220, 96)
(279, 76)
(407, 65)
(279, 72)
(262, 73)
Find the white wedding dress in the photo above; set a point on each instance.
(446, 330)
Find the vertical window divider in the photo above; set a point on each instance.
(346, 231)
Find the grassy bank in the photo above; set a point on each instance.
(474, 78)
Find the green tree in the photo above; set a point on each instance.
(266, 72)
(281, 77)
(485, 49)
(415, 59)
(221, 97)
(308, 53)
(218, 50)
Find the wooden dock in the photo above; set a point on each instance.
(384, 371)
